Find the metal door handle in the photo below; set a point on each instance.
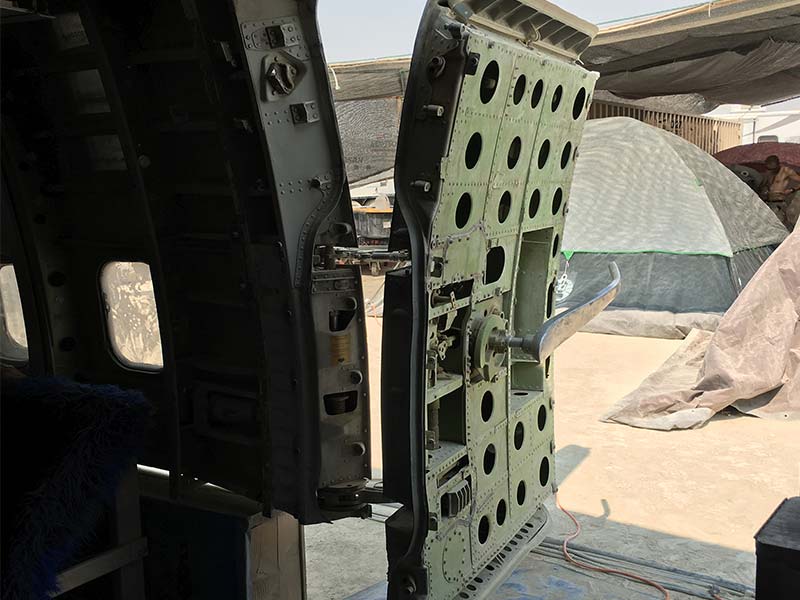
(557, 330)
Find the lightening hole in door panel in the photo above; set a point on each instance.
(504, 209)
(521, 493)
(448, 475)
(473, 152)
(460, 289)
(487, 407)
(341, 403)
(519, 89)
(533, 206)
(56, 279)
(501, 512)
(558, 197)
(495, 264)
(483, 529)
(551, 292)
(541, 417)
(557, 98)
(544, 154)
(489, 81)
(580, 102)
(544, 471)
(463, 210)
(536, 96)
(489, 459)
(547, 367)
(566, 153)
(452, 426)
(339, 319)
(519, 435)
(514, 150)
(555, 245)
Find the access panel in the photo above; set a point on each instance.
(490, 130)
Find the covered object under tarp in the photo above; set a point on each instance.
(686, 233)
(752, 361)
(754, 155)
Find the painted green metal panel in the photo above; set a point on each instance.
(491, 224)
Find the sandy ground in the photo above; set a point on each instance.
(717, 484)
(690, 499)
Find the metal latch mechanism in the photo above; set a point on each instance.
(365, 255)
(557, 330)
(280, 76)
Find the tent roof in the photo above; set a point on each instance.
(729, 51)
(672, 198)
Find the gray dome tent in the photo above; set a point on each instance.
(686, 232)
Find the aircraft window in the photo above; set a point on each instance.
(131, 314)
(13, 336)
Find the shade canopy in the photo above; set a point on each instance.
(728, 51)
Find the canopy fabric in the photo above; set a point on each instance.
(729, 51)
(368, 130)
(727, 77)
(684, 104)
(752, 361)
(639, 189)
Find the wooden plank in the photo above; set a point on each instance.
(101, 564)
(712, 135)
(369, 79)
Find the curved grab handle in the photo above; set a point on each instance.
(558, 329)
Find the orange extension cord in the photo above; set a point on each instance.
(577, 563)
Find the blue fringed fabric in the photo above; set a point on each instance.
(64, 448)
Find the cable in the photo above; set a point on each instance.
(687, 576)
(692, 589)
(626, 574)
(336, 85)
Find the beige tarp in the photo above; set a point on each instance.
(751, 362)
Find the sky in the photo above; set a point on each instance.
(362, 29)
